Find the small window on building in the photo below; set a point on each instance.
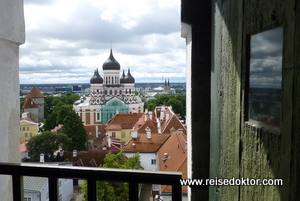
(265, 77)
(60, 183)
(27, 199)
(26, 134)
(30, 134)
(90, 133)
(60, 198)
(123, 134)
(98, 116)
(113, 134)
(153, 161)
(27, 128)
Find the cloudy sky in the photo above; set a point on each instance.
(67, 39)
(266, 59)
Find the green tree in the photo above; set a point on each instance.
(176, 105)
(73, 127)
(47, 143)
(163, 99)
(114, 191)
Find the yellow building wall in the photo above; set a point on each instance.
(27, 130)
(123, 135)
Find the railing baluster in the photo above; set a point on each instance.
(176, 192)
(17, 182)
(92, 189)
(133, 191)
(92, 175)
(53, 191)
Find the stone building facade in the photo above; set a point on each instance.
(112, 94)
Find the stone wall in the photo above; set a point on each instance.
(239, 148)
(12, 34)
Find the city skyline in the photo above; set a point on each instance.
(67, 46)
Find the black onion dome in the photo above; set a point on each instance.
(96, 79)
(129, 78)
(111, 63)
(122, 78)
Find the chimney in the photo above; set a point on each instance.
(61, 153)
(134, 134)
(109, 141)
(42, 159)
(148, 132)
(74, 155)
(150, 115)
(180, 131)
(162, 113)
(167, 117)
(24, 115)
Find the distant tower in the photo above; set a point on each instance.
(167, 88)
(34, 104)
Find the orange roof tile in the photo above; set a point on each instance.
(35, 93)
(23, 147)
(123, 121)
(142, 144)
(29, 103)
(93, 128)
(175, 147)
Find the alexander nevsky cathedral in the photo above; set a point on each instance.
(111, 94)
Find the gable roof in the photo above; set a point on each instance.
(175, 148)
(142, 144)
(168, 119)
(110, 144)
(28, 120)
(123, 121)
(29, 103)
(143, 122)
(34, 183)
(35, 93)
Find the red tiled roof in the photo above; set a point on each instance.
(93, 129)
(29, 103)
(86, 156)
(175, 147)
(35, 93)
(123, 121)
(110, 144)
(142, 144)
(23, 147)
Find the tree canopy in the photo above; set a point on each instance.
(114, 191)
(73, 127)
(178, 103)
(47, 143)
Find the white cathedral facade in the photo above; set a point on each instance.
(111, 94)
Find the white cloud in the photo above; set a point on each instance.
(66, 40)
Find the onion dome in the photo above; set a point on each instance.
(122, 78)
(129, 78)
(111, 63)
(96, 79)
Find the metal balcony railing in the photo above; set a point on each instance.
(133, 177)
